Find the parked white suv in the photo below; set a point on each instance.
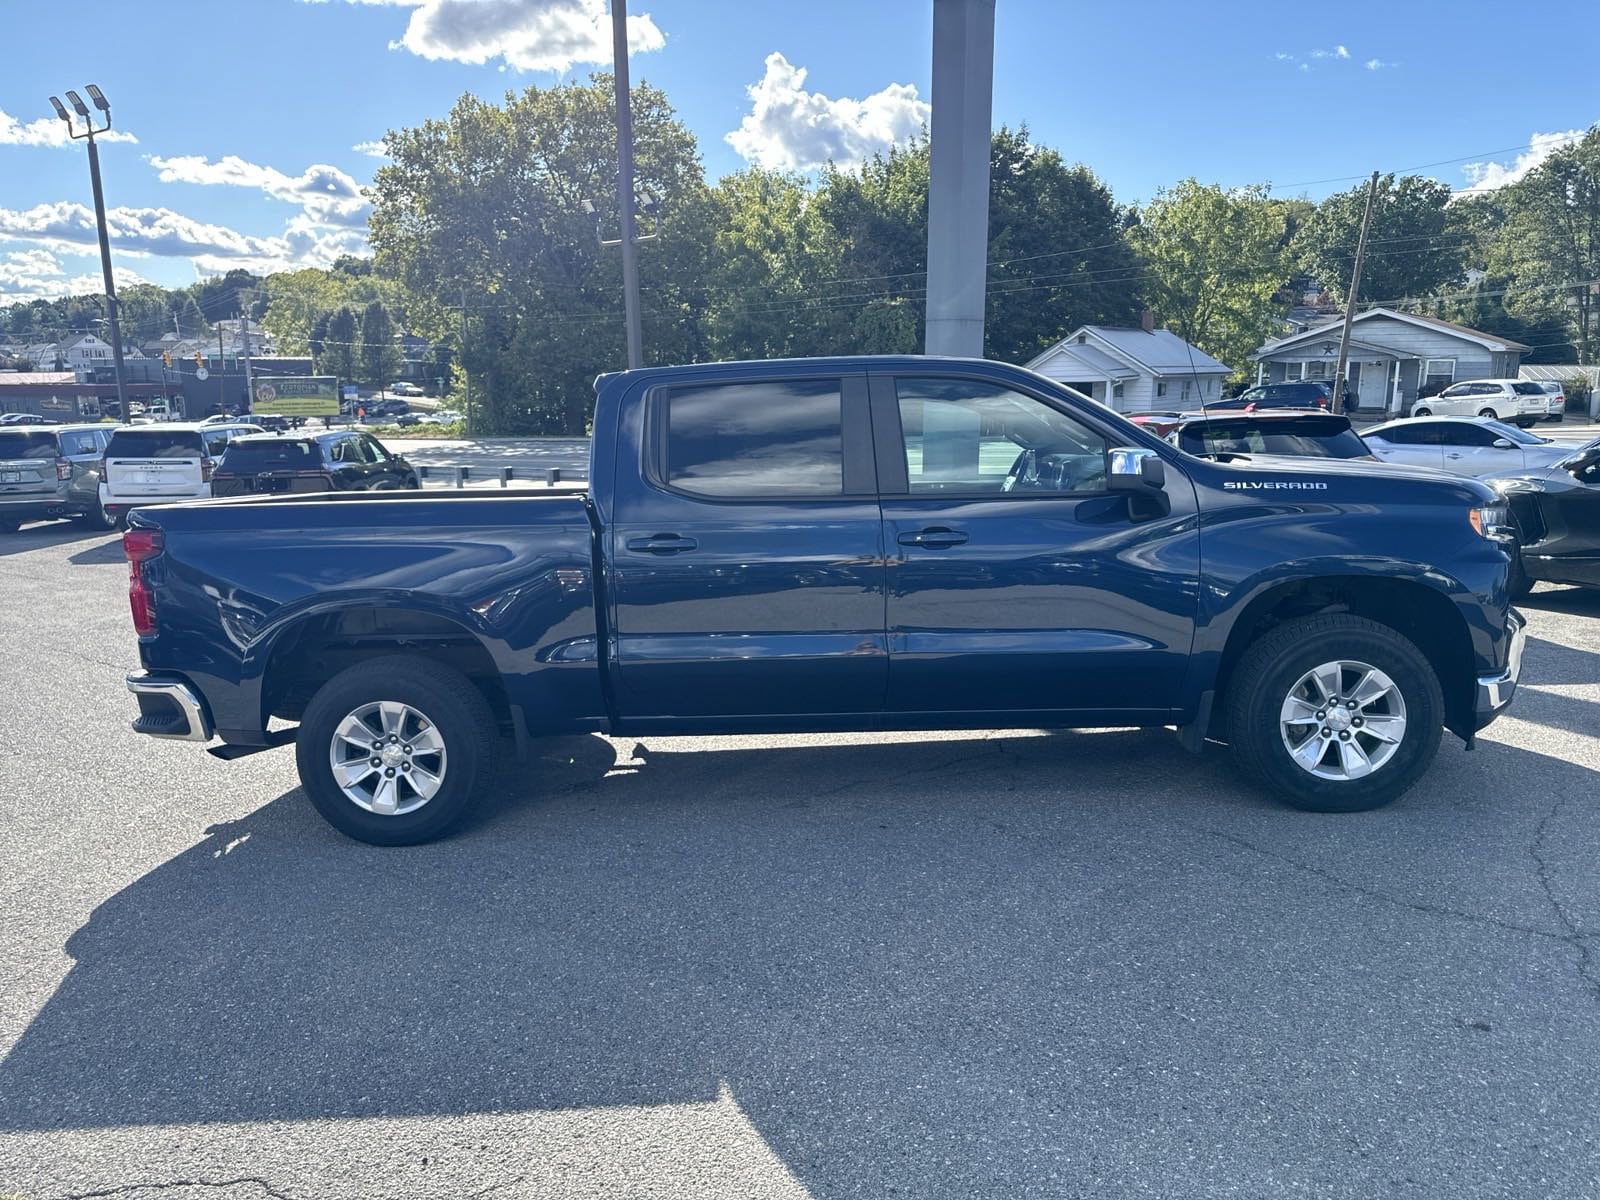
(161, 464)
(1518, 401)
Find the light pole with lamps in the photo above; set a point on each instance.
(82, 109)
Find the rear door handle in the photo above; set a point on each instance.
(933, 538)
(661, 543)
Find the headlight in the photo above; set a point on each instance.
(1491, 521)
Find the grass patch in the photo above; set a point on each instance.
(416, 433)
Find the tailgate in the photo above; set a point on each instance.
(154, 476)
(25, 476)
(270, 483)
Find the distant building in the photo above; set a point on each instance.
(1392, 357)
(1133, 370)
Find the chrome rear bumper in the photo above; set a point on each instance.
(169, 708)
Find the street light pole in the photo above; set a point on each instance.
(82, 110)
(630, 250)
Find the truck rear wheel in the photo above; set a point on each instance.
(1335, 713)
(394, 751)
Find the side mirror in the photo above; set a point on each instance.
(1135, 469)
(1503, 444)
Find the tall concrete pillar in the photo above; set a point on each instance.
(958, 183)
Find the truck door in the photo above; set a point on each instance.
(1017, 582)
(745, 553)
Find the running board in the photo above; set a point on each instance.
(229, 751)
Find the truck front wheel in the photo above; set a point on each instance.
(1335, 713)
(395, 751)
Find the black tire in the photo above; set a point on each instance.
(1270, 668)
(98, 518)
(1490, 413)
(1422, 412)
(457, 710)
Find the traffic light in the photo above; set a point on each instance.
(166, 359)
(199, 360)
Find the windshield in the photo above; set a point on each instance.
(1527, 389)
(1310, 436)
(1512, 434)
(17, 445)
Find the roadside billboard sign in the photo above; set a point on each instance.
(296, 396)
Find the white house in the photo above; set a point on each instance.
(1133, 370)
(85, 352)
(1392, 357)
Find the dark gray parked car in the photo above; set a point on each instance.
(51, 471)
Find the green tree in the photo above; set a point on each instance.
(318, 335)
(339, 352)
(486, 205)
(1550, 240)
(1213, 266)
(379, 358)
(1418, 242)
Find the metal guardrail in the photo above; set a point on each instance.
(460, 475)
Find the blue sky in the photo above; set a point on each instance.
(248, 113)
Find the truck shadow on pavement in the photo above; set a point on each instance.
(947, 965)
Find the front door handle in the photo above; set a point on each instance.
(662, 543)
(933, 538)
(1453, 454)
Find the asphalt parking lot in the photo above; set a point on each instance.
(1010, 965)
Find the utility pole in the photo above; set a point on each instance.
(82, 109)
(630, 250)
(245, 304)
(1350, 301)
(466, 379)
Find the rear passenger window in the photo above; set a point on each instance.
(79, 443)
(772, 438)
(154, 443)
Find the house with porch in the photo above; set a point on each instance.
(1133, 370)
(1393, 356)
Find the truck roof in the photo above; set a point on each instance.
(835, 362)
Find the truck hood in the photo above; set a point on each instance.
(1342, 479)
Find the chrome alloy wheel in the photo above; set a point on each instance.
(1343, 720)
(387, 758)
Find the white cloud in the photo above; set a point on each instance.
(1378, 64)
(527, 35)
(325, 193)
(48, 131)
(1336, 52)
(791, 129)
(36, 274)
(375, 149)
(1486, 176)
(164, 233)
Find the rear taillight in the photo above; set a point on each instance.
(140, 546)
(63, 469)
(207, 466)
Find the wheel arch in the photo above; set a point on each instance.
(306, 652)
(1423, 614)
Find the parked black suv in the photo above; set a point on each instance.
(324, 462)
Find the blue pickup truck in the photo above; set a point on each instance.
(834, 544)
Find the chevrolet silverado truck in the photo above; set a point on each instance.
(830, 545)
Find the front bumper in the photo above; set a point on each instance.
(169, 708)
(1495, 691)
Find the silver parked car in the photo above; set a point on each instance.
(51, 471)
(1465, 445)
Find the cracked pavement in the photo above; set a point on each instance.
(915, 965)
